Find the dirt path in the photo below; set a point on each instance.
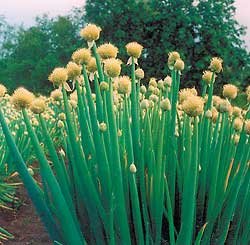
(24, 224)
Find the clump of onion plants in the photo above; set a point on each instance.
(137, 164)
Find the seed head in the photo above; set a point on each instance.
(81, 56)
(38, 106)
(124, 85)
(165, 105)
(193, 106)
(179, 65)
(103, 127)
(186, 93)
(248, 90)
(56, 95)
(167, 81)
(238, 124)
(134, 49)
(207, 77)
(224, 106)
(247, 126)
(216, 64)
(139, 73)
(236, 111)
(58, 76)
(91, 66)
(112, 67)
(22, 98)
(132, 168)
(143, 89)
(107, 51)
(3, 90)
(236, 139)
(90, 32)
(74, 70)
(172, 57)
(104, 86)
(230, 91)
(144, 104)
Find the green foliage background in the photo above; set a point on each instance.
(198, 31)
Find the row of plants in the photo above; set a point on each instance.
(122, 163)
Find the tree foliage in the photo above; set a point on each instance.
(199, 30)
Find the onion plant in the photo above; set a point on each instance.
(135, 164)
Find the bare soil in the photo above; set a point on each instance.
(23, 223)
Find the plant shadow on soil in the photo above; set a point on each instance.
(23, 223)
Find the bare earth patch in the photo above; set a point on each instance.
(24, 223)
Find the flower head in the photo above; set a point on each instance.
(124, 85)
(179, 65)
(134, 49)
(139, 73)
(81, 56)
(172, 57)
(230, 91)
(58, 76)
(186, 93)
(216, 64)
(56, 95)
(107, 51)
(74, 70)
(3, 90)
(22, 98)
(90, 32)
(91, 66)
(165, 105)
(207, 77)
(238, 124)
(38, 105)
(247, 126)
(193, 106)
(112, 67)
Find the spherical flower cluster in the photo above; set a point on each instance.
(74, 70)
(224, 106)
(132, 168)
(193, 106)
(81, 56)
(112, 67)
(186, 93)
(56, 95)
(144, 104)
(139, 73)
(107, 51)
(238, 124)
(216, 64)
(167, 81)
(102, 126)
(236, 111)
(91, 66)
(124, 85)
(230, 91)
(134, 49)
(172, 58)
(104, 86)
(207, 77)
(247, 126)
(22, 98)
(58, 76)
(248, 90)
(3, 90)
(38, 106)
(179, 65)
(143, 89)
(165, 105)
(90, 32)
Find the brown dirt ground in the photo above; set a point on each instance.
(24, 223)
